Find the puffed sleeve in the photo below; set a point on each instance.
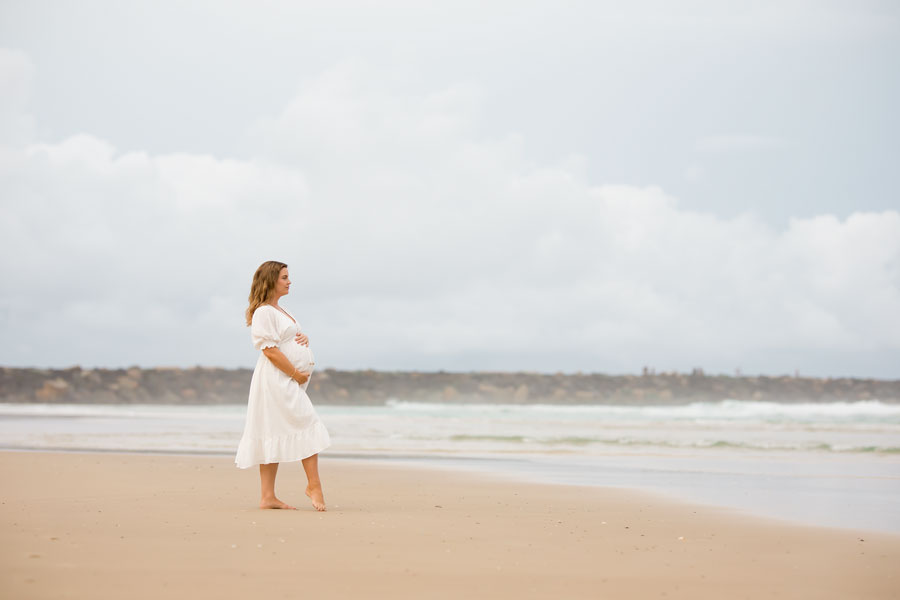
(264, 328)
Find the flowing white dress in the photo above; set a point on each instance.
(282, 425)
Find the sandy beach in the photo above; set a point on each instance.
(142, 526)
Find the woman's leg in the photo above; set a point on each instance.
(267, 484)
(313, 485)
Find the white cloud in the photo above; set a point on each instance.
(414, 242)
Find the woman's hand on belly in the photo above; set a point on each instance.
(299, 356)
(302, 339)
(285, 365)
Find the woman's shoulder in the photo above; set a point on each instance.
(258, 311)
(272, 311)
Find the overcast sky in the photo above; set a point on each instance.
(549, 186)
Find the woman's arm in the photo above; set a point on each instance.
(283, 364)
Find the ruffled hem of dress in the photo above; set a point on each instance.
(267, 344)
(261, 451)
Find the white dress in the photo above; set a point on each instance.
(282, 425)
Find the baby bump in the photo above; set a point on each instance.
(300, 356)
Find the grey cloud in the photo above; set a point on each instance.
(418, 246)
(596, 187)
(738, 142)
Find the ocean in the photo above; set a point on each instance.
(833, 464)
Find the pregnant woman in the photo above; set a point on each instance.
(282, 425)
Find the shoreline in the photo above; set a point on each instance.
(108, 525)
(841, 510)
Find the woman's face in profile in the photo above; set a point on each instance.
(283, 285)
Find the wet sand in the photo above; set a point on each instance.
(141, 526)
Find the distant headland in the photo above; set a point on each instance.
(202, 385)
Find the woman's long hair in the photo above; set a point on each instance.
(264, 281)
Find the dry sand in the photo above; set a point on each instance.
(138, 526)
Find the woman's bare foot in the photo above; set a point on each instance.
(315, 494)
(274, 503)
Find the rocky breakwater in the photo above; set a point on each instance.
(202, 385)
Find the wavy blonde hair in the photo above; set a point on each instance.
(264, 281)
